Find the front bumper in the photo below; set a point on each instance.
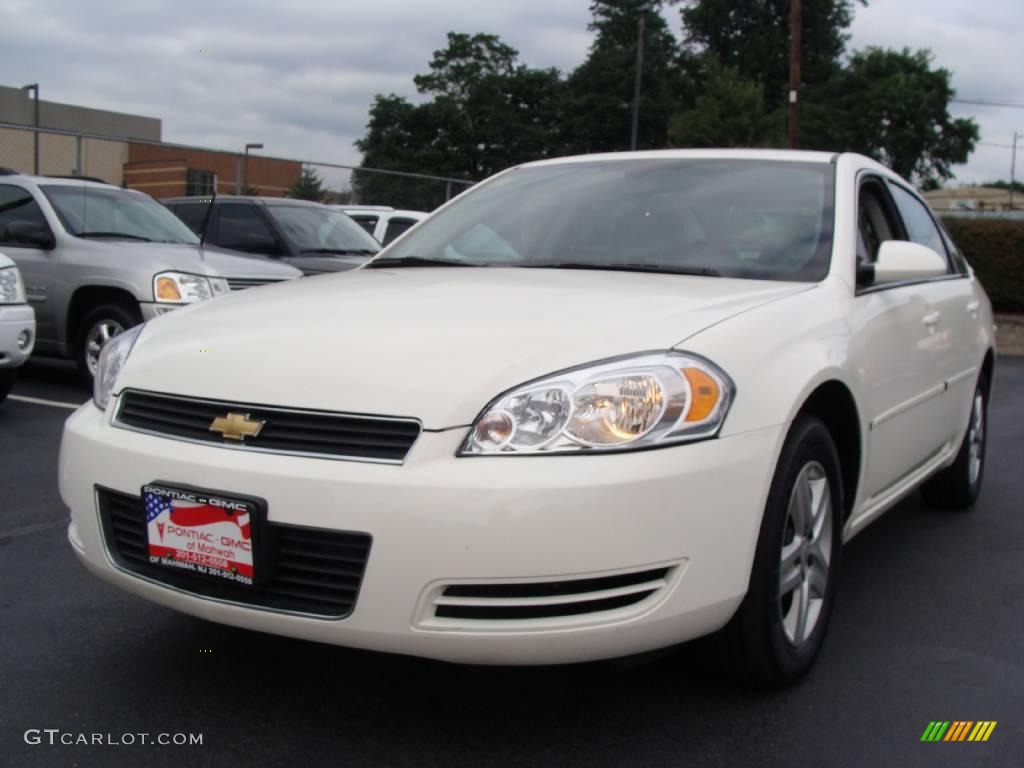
(14, 320)
(439, 520)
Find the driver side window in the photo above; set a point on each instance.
(875, 223)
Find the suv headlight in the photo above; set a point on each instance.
(12, 288)
(112, 359)
(638, 401)
(183, 288)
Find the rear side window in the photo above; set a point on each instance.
(192, 214)
(240, 226)
(918, 220)
(17, 206)
(397, 227)
(369, 223)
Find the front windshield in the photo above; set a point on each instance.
(320, 230)
(758, 219)
(88, 211)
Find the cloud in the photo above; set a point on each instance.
(300, 77)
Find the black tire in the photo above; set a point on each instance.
(763, 646)
(6, 382)
(123, 316)
(958, 485)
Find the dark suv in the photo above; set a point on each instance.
(306, 235)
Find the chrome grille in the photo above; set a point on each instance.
(296, 432)
(241, 283)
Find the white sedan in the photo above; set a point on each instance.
(593, 407)
(17, 324)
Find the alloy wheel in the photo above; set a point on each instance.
(99, 334)
(806, 554)
(976, 437)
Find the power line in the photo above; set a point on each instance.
(990, 103)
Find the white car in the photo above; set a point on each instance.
(17, 324)
(594, 406)
(382, 221)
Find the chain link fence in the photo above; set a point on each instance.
(71, 153)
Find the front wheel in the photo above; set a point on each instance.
(779, 628)
(958, 485)
(100, 326)
(6, 382)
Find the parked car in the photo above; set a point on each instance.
(17, 324)
(683, 380)
(309, 236)
(98, 259)
(381, 221)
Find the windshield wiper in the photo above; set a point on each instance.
(342, 251)
(628, 267)
(114, 234)
(418, 261)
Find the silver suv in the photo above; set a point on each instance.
(98, 259)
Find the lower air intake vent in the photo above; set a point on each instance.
(547, 599)
(311, 571)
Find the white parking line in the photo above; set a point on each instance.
(51, 403)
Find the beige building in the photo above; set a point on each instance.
(969, 198)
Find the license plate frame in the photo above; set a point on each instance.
(217, 524)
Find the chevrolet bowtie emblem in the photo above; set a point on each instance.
(236, 426)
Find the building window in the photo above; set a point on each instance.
(199, 182)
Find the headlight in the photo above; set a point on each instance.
(12, 289)
(182, 288)
(633, 402)
(112, 359)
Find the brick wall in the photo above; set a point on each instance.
(160, 171)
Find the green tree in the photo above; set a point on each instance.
(308, 186)
(598, 111)
(752, 37)
(729, 112)
(487, 112)
(893, 106)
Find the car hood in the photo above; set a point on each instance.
(436, 344)
(208, 260)
(319, 264)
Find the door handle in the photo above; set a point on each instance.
(931, 319)
(972, 308)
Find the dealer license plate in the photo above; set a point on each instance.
(207, 534)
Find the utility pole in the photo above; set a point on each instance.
(1013, 167)
(245, 166)
(636, 82)
(795, 25)
(35, 134)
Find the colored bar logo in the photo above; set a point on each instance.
(958, 730)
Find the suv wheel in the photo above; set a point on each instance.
(100, 326)
(6, 381)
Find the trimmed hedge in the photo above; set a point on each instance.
(995, 248)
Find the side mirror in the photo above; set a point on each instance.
(899, 261)
(30, 233)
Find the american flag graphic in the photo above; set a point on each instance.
(191, 514)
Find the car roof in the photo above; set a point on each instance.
(244, 199)
(62, 181)
(783, 155)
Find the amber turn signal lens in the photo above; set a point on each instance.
(167, 289)
(704, 394)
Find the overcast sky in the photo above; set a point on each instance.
(299, 76)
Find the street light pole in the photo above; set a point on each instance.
(245, 166)
(795, 25)
(1013, 167)
(636, 82)
(34, 87)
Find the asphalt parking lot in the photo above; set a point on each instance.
(928, 626)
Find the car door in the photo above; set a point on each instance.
(953, 347)
(38, 265)
(894, 354)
